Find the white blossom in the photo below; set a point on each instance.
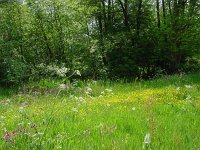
(63, 86)
(188, 86)
(78, 72)
(133, 108)
(74, 109)
(147, 139)
(108, 90)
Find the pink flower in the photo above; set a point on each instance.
(14, 133)
(11, 140)
(6, 136)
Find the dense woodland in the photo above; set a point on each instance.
(99, 39)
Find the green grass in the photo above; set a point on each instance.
(167, 109)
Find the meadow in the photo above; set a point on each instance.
(160, 114)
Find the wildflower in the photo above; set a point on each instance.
(21, 110)
(14, 133)
(62, 71)
(89, 89)
(103, 93)
(22, 129)
(2, 117)
(78, 72)
(40, 133)
(102, 132)
(63, 86)
(87, 93)
(114, 127)
(108, 90)
(74, 110)
(81, 98)
(133, 108)
(113, 142)
(11, 140)
(146, 140)
(108, 105)
(188, 86)
(59, 147)
(7, 135)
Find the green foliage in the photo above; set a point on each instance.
(16, 71)
(103, 39)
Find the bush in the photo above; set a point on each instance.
(191, 65)
(13, 71)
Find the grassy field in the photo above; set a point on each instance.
(158, 114)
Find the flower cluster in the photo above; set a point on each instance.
(53, 70)
(56, 71)
(9, 136)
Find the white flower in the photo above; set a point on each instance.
(40, 133)
(87, 93)
(78, 72)
(108, 90)
(188, 86)
(74, 109)
(21, 110)
(63, 86)
(133, 108)
(2, 117)
(89, 89)
(81, 98)
(103, 93)
(188, 97)
(147, 139)
(59, 71)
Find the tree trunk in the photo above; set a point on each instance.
(158, 13)
(138, 17)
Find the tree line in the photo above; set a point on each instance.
(107, 39)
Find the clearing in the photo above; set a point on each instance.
(157, 114)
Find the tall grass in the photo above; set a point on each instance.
(157, 114)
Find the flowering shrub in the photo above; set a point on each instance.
(53, 70)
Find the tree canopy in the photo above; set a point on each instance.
(100, 38)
